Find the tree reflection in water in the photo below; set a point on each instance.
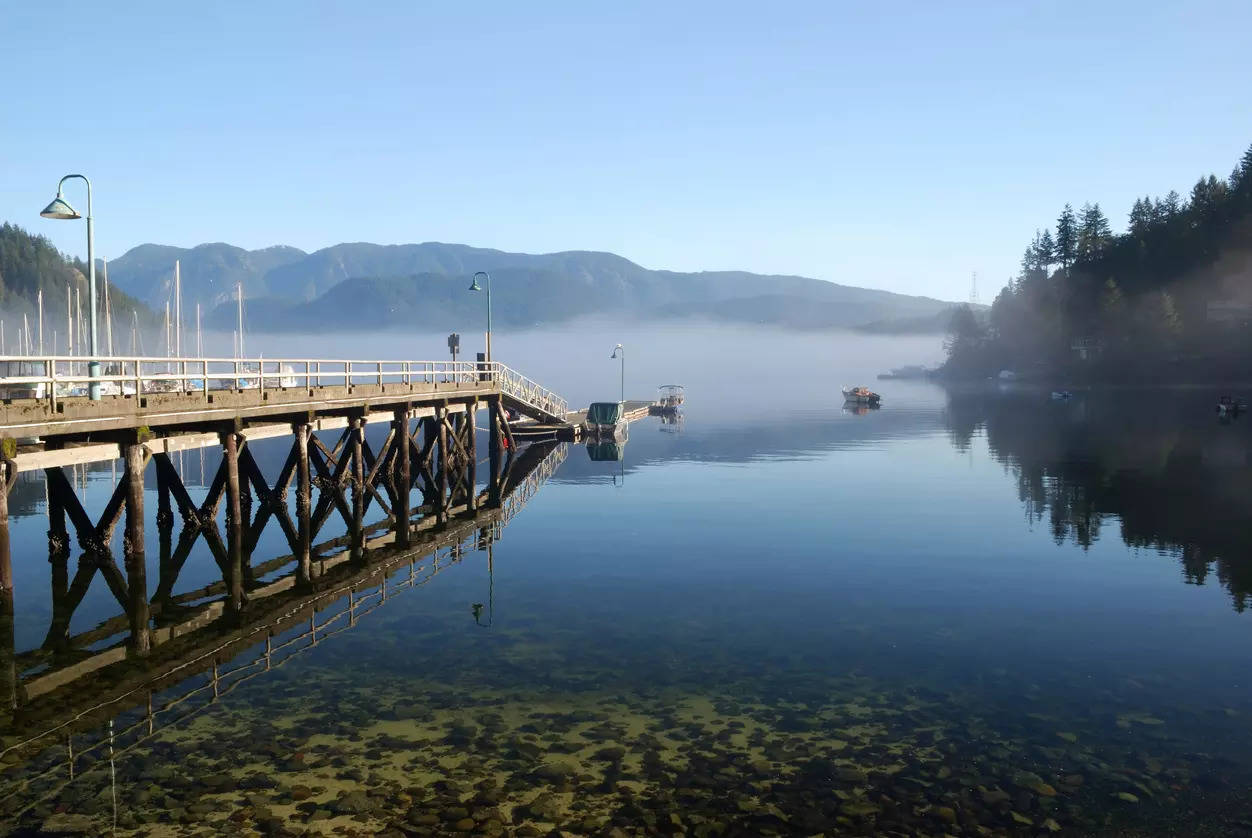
(1159, 464)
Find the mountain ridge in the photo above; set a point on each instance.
(418, 281)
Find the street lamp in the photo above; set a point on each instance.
(619, 352)
(59, 208)
(474, 286)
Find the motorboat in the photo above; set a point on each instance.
(861, 395)
(670, 396)
(606, 419)
(1061, 395)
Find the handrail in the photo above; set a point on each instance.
(54, 377)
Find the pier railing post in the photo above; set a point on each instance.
(304, 500)
(133, 550)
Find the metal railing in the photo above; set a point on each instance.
(513, 383)
(54, 378)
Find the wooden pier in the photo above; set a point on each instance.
(424, 477)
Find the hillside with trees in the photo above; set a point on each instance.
(1170, 298)
(30, 264)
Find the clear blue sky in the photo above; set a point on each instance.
(893, 145)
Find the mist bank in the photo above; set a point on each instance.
(1168, 300)
(766, 371)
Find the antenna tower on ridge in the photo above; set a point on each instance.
(973, 289)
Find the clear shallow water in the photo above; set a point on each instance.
(967, 613)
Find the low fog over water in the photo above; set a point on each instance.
(718, 365)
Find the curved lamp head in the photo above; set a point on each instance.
(59, 209)
(474, 286)
(617, 349)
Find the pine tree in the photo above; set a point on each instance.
(1172, 205)
(1066, 237)
(1140, 217)
(1242, 179)
(1094, 232)
(1047, 250)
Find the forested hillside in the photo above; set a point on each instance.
(30, 264)
(1171, 296)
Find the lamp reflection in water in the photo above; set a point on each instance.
(477, 608)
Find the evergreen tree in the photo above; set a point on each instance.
(1047, 250)
(1141, 217)
(1066, 237)
(1029, 260)
(1207, 199)
(1171, 206)
(1094, 232)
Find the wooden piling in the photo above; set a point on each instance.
(8, 651)
(234, 523)
(402, 477)
(133, 550)
(493, 445)
(471, 455)
(304, 504)
(357, 453)
(6, 562)
(441, 501)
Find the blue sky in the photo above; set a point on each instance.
(897, 145)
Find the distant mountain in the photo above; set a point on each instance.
(321, 271)
(424, 284)
(208, 271)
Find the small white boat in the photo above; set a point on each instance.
(1062, 395)
(861, 395)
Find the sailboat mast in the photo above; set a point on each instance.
(178, 312)
(199, 335)
(39, 297)
(239, 295)
(167, 328)
(69, 321)
(78, 317)
(108, 310)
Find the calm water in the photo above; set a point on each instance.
(974, 613)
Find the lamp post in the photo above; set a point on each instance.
(59, 208)
(474, 286)
(619, 352)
